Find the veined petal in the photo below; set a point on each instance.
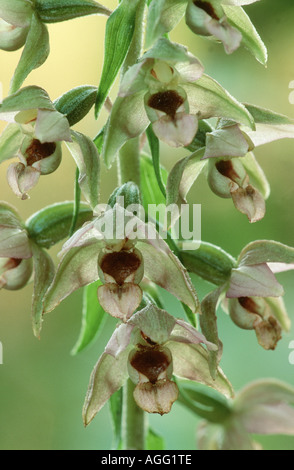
(269, 419)
(108, 376)
(183, 332)
(266, 251)
(128, 119)
(207, 98)
(78, 268)
(254, 281)
(164, 269)
(178, 131)
(119, 340)
(155, 323)
(14, 242)
(156, 398)
(250, 202)
(226, 33)
(264, 392)
(52, 126)
(229, 141)
(191, 362)
(134, 79)
(22, 178)
(120, 301)
(10, 142)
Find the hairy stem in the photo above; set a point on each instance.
(133, 421)
(128, 162)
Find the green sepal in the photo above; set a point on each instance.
(44, 271)
(30, 97)
(163, 16)
(34, 54)
(52, 224)
(53, 11)
(209, 262)
(129, 191)
(76, 103)
(10, 142)
(118, 36)
(93, 318)
(250, 37)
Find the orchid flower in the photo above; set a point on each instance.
(15, 19)
(252, 295)
(34, 134)
(262, 407)
(150, 347)
(223, 20)
(168, 89)
(119, 249)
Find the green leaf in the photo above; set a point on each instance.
(53, 11)
(151, 193)
(34, 54)
(43, 276)
(250, 37)
(154, 441)
(93, 318)
(118, 36)
(52, 224)
(10, 141)
(154, 148)
(207, 98)
(76, 103)
(115, 406)
(87, 160)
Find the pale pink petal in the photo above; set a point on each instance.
(21, 179)
(185, 333)
(269, 419)
(280, 267)
(120, 301)
(227, 34)
(254, 281)
(178, 131)
(250, 202)
(156, 398)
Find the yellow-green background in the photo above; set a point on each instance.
(42, 387)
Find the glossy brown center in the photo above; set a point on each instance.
(226, 168)
(249, 305)
(207, 7)
(166, 101)
(151, 363)
(120, 265)
(37, 151)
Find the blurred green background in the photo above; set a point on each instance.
(42, 386)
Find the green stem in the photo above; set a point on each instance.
(133, 421)
(129, 155)
(77, 203)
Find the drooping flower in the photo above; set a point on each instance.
(168, 89)
(252, 295)
(149, 348)
(34, 135)
(223, 20)
(262, 407)
(119, 249)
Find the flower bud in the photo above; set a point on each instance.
(15, 273)
(45, 157)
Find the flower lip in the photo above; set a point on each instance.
(120, 265)
(248, 304)
(207, 7)
(151, 362)
(226, 168)
(37, 151)
(167, 101)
